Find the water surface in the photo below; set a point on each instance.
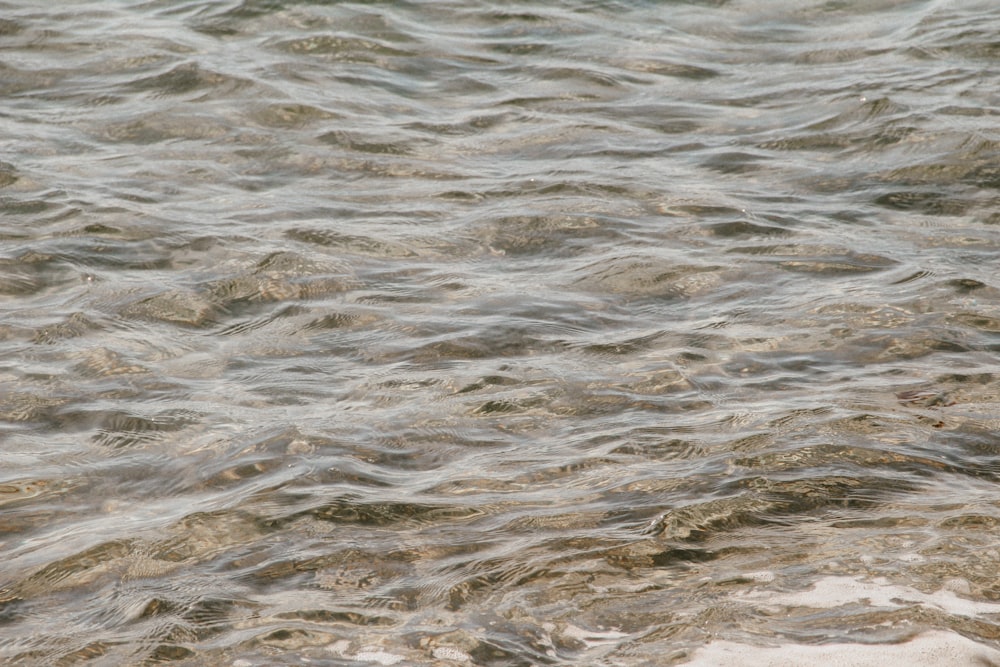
(611, 333)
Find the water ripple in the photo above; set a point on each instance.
(409, 333)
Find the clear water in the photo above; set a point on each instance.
(496, 333)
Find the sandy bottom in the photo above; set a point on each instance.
(931, 649)
(928, 649)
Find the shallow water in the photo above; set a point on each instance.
(499, 334)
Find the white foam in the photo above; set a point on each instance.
(366, 654)
(377, 655)
(931, 649)
(592, 638)
(452, 654)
